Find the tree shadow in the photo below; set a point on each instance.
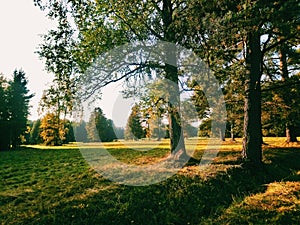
(180, 199)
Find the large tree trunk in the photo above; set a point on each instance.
(291, 135)
(252, 142)
(177, 144)
(222, 135)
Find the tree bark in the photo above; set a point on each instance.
(291, 135)
(283, 62)
(232, 133)
(177, 144)
(252, 141)
(222, 136)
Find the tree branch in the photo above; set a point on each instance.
(280, 86)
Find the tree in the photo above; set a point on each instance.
(280, 90)
(99, 128)
(18, 98)
(14, 109)
(80, 132)
(119, 131)
(35, 137)
(281, 108)
(153, 109)
(224, 33)
(121, 22)
(242, 33)
(53, 133)
(4, 113)
(70, 136)
(134, 129)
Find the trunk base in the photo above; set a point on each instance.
(248, 164)
(179, 155)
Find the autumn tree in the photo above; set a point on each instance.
(53, 131)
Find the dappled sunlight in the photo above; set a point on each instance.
(279, 204)
(56, 185)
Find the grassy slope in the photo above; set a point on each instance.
(57, 186)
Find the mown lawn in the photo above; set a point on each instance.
(41, 185)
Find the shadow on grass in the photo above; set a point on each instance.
(182, 199)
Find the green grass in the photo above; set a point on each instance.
(42, 185)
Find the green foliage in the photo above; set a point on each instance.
(4, 113)
(205, 128)
(35, 137)
(14, 109)
(80, 131)
(134, 129)
(236, 39)
(281, 107)
(120, 132)
(69, 137)
(99, 128)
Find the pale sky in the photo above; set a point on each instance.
(21, 25)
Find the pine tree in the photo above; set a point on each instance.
(99, 128)
(134, 129)
(80, 132)
(14, 109)
(4, 113)
(18, 97)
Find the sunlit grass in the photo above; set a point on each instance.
(55, 185)
(278, 204)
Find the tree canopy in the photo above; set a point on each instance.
(237, 40)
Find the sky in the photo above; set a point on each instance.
(22, 25)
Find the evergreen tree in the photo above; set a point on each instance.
(69, 136)
(119, 131)
(18, 98)
(240, 34)
(35, 137)
(14, 109)
(99, 128)
(80, 132)
(134, 129)
(4, 115)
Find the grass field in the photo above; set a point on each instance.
(42, 185)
